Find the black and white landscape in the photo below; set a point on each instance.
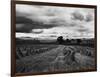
(54, 39)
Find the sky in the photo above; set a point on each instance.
(49, 22)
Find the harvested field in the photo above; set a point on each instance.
(52, 58)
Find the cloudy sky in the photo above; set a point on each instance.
(49, 22)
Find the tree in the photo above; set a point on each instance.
(68, 41)
(78, 41)
(60, 40)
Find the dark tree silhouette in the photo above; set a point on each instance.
(78, 41)
(60, 40)
(68, 41)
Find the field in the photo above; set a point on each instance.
(53, 58)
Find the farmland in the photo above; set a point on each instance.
(52, 58)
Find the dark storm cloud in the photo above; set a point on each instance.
(42, 18)
(49, 19)
(89, 18)
(77, 16)
(24, 29)
(24, 24)
(83, 30)
(52, 36)
(23, 20)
